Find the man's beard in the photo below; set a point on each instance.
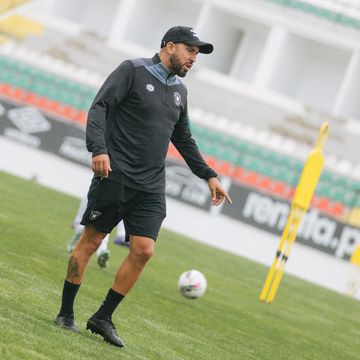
(176, 67)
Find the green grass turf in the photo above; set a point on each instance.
(155, 321)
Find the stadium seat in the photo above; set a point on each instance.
(321, 203)
(323, 189)
(354, 217)
(46, 84)
(337, 210)
(6, 5)
(268, 170)
(265, 183)
(20, 27)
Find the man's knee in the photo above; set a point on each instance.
(147, 253)
(142, 249)
(91, 238)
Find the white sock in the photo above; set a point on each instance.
(103, 246)
(120, 230)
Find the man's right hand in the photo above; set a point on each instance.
(101, 165)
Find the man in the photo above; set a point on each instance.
(140, 108)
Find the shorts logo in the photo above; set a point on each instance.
(94, 214)
(177, 98)
(150, 87)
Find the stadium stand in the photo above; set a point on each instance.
(45, 83)
(244, 161)
(61, 74)
(6, 5)
(20, 27)
(344, 12)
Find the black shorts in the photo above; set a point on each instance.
(109, 202)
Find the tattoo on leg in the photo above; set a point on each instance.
(73, 269)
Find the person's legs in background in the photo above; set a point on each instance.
(120, 238)
(103, 253)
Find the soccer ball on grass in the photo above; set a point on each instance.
(192, 284)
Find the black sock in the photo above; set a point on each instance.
(109, 305)
(68, 296)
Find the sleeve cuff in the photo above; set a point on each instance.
(210, 173)
(99, 152)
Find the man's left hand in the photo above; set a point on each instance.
(217, 192)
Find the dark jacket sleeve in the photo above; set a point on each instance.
(186, 145)
(113, 91)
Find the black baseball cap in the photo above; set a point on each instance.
(186, 35)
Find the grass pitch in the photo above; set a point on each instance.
(155, 321)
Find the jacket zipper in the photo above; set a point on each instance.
(166, 89)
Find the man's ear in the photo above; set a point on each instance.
(170, 47)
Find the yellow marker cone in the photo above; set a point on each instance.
(302, 198)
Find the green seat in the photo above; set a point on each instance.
(291, 163)
(230, 141)
(259, 167)
(76, 101)
(340, 181)
(46, 83)
(326, 176)
(337, 195)
(85, 104)
(217, 150)
(208, 134)
(283, 174)
(350, 198)
(196, 129)
(89, 92)
(243, 148)
(65, 97)
(5, 75)
(204, 145)
(274, 158)
(355, 185)
(40, 88)
(22, 82)
(220, 137)
(11, 77)
(226, 154)
(244, 161)
(323, 189)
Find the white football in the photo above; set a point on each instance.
(192, 284)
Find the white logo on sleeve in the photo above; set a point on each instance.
(150, 87)
(94, 214)
(177, 98)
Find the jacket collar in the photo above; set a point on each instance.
(161, 72)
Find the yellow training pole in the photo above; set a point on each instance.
(288, 234)
(284, 258)
(302, 198)
(272, 270)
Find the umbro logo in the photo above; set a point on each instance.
(150, 87)
(29, 120)
(193, 31)
(94, 214)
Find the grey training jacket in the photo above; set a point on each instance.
(139, 109)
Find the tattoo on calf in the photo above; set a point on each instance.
(73, 269)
